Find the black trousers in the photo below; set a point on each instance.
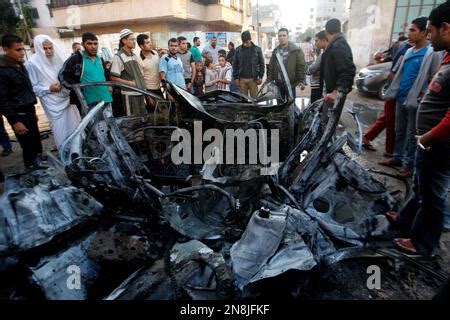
(316, 94)
(422, 217)
(31, 141)
(157, 92)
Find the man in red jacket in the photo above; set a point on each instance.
(421, 220)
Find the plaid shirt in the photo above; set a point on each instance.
(308, 50)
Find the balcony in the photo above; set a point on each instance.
(86, 13)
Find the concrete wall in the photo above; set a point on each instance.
(369, 28)
(45, 20)
(161, 19)
(139, 11)
(45, 23)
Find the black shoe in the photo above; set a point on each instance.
(6, 152)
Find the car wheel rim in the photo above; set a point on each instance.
(384, 90)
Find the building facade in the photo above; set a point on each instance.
(162, 20)
(269, 19)
(407, 10)
(42, 15)
(307, 22)
(329, 9)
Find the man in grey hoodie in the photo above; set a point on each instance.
(419, 65)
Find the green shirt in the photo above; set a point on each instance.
(93, 71)
(196, 54)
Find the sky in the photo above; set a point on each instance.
(292, 11)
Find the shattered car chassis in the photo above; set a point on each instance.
(115, 206)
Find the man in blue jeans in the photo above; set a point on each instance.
(419, 65)
(421, 220)
(4, 139)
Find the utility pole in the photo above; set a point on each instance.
(257, 22)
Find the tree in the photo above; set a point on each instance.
(8, 19)
(308, 33)
(24, 28)
(10, 23)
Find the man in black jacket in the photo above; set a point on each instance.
(337, 70)
(17, 98)
(248, 66)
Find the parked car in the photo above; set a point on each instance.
(374, 79)
(383, 56)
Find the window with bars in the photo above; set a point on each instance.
(408, 10)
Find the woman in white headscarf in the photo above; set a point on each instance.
(43, 69)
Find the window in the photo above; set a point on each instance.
(426, 10)
(34, 14)
(206, 2)
(408, 10)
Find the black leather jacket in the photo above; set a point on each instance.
(337, 69)
(16, 91)
(257, 64)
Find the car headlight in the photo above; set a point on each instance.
(373, 74)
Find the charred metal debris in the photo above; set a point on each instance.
(115, 211)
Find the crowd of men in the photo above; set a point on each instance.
(417, 122)
(418, 98)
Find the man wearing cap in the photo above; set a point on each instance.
(126, 69)
(248, 66)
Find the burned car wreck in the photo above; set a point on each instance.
(117, 219)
